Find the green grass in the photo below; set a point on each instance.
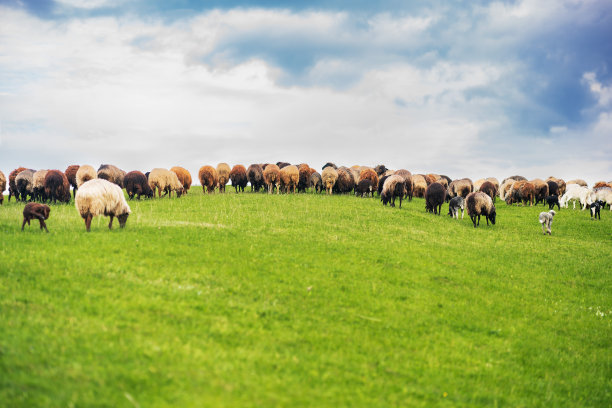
(307, 300)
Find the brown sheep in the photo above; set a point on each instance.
(208, 179)
(271, 176)
(24, 183)
(419, 185)
(329, 177)
(407, 181)
(70, 173)
(57, 186)
(429, 178)
(165, 180)
(369, 174)
(600, 184)
(255, 177)
(223, 172)
(478, 183)
(541, 190)
(304, 177)
(36, 211)
(494, 181)
(489, 189)
(521, 191)
(505, 188)
(136, 183)
(461, 187)
(478, 204)
(111, 173)
(380, 170)
(2, 187)
(12, 186)
(289, 178)
(238, 176)
(435, 196)
(316, 183)
(345, 182)
(184, 177)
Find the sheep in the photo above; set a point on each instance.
(552, 200)
(304, 177)
(111, 173)
(435, 196)
(238, 175)
(2, 187)
(553, 188)
(541, 190)
(136, 183)
(184, 177)
(12, 185)
(345, 182)
(364, 187)
(166, 181)
(456, 204)
(604, 194)
(478, 203)
(478, 183)
(601, 184)
(521, 191)
(595, 208)
(57, 186)
(393, 188)
(419, 185)
(505, 188)
(560, 184)
(431, 178)
(489, 189)
(289, 178)
(25, 185)
(101, 197)
(38, 185)
(328, 164)
(271, 176)
(461, 187)
(316, 183)
(580, 182)
(36, 211)
(70, 173)
(223, 173)
(84, 174)
(208, 178)
(546, 219)
(329, 177)
(255, 177)
(369, 174)
(380, 169)
(515, 178)
(381, 183)
(407, 181)
(577, 192)
(444, 183)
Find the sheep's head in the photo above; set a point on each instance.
(492, 215)
(123, 219)
(46, 211)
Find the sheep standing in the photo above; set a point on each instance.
(136, 184)
(369, 174)
(345, 182)
(419, 185)
(604, 194)
(57, 186)
(271, 175)
(478, 204)
(304, 177)
(316, 183)
(381, 183)
(329, 177)
(208, 179)
(37, 211)
(166, 181)
(489, 189)
(101, 197)
(393, 188)
(577, 192)
(541, 190)
(456, 204)
(407, 181)
(560, 183)
(38, 185)
(12, 185)
(553, 188)
(2, 187)
(84, 174)
(25, 185)
(184, 177)
(521, 191)
(380, 169)
(435, 196)
(289, 178)
(223, 173)
(70, 173)
(255, 177)
(238, 175)
(111, 173)
(364, 188)
(546, 219)
(505, 188)
(461, 187)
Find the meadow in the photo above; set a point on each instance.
(304, 300)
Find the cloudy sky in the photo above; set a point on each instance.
(464, 88)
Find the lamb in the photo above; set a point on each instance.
(208, 179)
(238, 175)
(36, 211)
(223, 172)
(489, 189)
(595, 208)
(184, 177)
(25, 185)
(111, 173)
(70, 173)
(84, 174)
(435, 196)
(255, 177)
(38, 185)
(546, 219)
(2, 187)
(12, 185)
(478, 204)
(551, 201)
(57, 186)
(316, 183)
(369, 174)
(136, 183)
(329, 177)
(271, 176)
(289, 178)
(577, 192)
(345, 182)
(101, 197)
(407, 182)
(541, 190)
(364, 188)
(393, 188)
(419, 185)
(166, 181)
(455, 204)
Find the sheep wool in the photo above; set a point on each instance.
(223, 173)
(289, 178)
(84, 174)
(166, 181)
(184, 177)
(478, 203)
(101, 197)
(208, 179)
(12, 185)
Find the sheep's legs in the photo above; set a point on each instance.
(110, 224)
(42, 223)
(88, 219)
(24, 222)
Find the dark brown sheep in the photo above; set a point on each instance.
(381, 183)
(380, 169)
(345, 182)
(435, 196)
(57, 186)
(136, 184)
(111, 173)
(553, 188)
(184, 177)
(70, 173)
(36, 211)
(478, 204)
(238, 175)
(489, 189)
(364, 188)
(208, 178)
(304, 177)
(12, 186)
(255, 177)
(541, 191)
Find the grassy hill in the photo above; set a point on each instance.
(306, 300)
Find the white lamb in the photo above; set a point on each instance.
(576, 192)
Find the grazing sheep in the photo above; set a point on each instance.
(369, 174)
(546, 219)
(36, 211)
(101, 197)
(560, 184)
(505, 188)
(521, 191)
(478, 204)
(329, 177)
(304, 177)
(57, 186)
(255, 177)
(431, 178)
(238, 175)
(553, 188)
(84, 174)
(328, 164)
(38, 185)
(166, 181)
(407, 181)
(12, 185)
(580, 182)
(70, 173)
(184, 177)
(136, 184)
(111, 173)
(595, 208)
(435, 196)
(456, 204)
(381, 183)
(552, 200)
(604, 194)
(364, 188)
(541, 190)
(478, 183)
(25, 185)
(345, 182)
(380, 169)
(461, 187)
(419, 185)
(289, 178)
(271, 175)
(223, 173)
(2, 187)
(393, 188)
(208, 179)
(489, 189)
(577, 192)
(316, 183)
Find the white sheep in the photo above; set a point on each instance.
(577, 192)
(604, 194)
(84, 174)
(101, 197)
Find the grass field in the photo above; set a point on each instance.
(254, 301)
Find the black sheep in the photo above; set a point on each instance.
(435, 196)
(136, 184)
(552, 200)
(255, 177)
(364, 187)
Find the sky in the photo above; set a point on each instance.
(463, 88)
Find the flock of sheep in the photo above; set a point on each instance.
(100, 192)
